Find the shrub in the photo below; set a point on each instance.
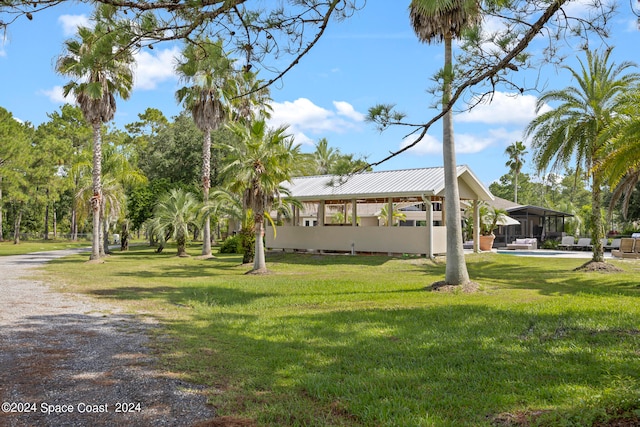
(232, 245)
(550, 244)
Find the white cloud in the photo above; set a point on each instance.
(56, 96)
(70, 23)
(504, 108)
(465, 144)
(154, 68)
(427, 145)
(347, 110)
(304, 117)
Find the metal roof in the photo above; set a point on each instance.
(382, 184)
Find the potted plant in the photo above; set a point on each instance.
(489, 219)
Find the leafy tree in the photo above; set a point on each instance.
(14, 145)
(97, 75)
(175, 153)
(73, 143)
(515, 151)
(265, 35)
(257, 166)
(572, 131)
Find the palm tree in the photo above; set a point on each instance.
(325, 157)
(573, 131)
(207, 71)
(622, 164)
(174, 214)
(515, 152)
(396, 215)
(100, 66)
(258, 165)
(435, 21)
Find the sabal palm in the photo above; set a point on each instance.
(573, 131)
(436, 21)
(208, 73)
(258, 164)
(516, 152)
(173, 215)
(100, 67)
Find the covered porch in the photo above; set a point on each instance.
(359, 213)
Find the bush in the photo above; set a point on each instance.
(232, 245)
(550, 244)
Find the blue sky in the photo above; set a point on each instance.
(373, 57)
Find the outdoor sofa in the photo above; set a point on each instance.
(528, 244)
(629, 248)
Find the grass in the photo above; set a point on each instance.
(352, 341)
(27, 246)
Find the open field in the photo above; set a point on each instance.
(341, 340)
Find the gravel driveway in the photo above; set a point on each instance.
(67, 360)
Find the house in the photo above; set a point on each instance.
(536, 222)
(342, 213)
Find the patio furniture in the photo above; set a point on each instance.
(584, 244)
(528, 244)
(567, 242)
(615, 244)
(629, 248)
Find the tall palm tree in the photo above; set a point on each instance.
(174, 214)
(208, 73)
(516, 152)
(101, 66)
(258, 165)
(437, 21)
(574, 129)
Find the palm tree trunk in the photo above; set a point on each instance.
(596, 219)
(97, 191)
(206, 184)
(259, 262)
(515, 187)
(456, 268)
(181, 241)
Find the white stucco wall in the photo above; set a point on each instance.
(411, 240)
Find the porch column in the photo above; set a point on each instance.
(476, 226)
(321, 213)
(354, 213)
(429, 212)
(390, 212)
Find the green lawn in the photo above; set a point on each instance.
(341, 340)
(28, 246)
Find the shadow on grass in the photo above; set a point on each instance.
(445, 366)
(182, 295)
(326, 259)
(554, 277)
